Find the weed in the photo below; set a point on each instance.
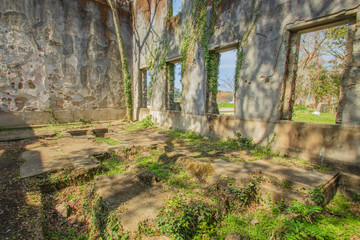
(147, 122)
(317, 195)
(146, 229)
(339, 206)
(184, 218)
(84, 120)
(245, 143)
(356, 197)
(114, 230)
(52, 115)
(112, 165)
(277, 207)
(244, 195)
(108, 141)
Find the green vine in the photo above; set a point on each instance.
(157, 60)
(199, 29)
(170, 75)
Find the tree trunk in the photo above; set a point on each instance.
(124, 66)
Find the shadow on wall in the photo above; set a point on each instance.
(142, 44)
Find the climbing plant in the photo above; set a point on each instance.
(198, 30)
(124, 64)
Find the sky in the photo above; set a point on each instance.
(176, 7)
(227, 68)
(178, 82)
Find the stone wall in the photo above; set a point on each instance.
(264, 32)
(60, 55)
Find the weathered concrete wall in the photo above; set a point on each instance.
(321, 143)
(60, 55)
(32, 118)
(262, 31)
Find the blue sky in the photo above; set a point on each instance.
(227, 68)
(177, 71)
(176, 7)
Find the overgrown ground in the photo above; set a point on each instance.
(196, 209)
(303, 114)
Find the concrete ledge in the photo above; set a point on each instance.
(23, 119)
(336, 145)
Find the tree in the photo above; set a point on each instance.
(124, 65)
(320, 62)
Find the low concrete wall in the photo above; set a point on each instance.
(323, 143)
(23, 119)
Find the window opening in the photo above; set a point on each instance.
(146, 92)
(317, 85)
(174, 86)
(226, 80)
(176, 7)
(178, 86)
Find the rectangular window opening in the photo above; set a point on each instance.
(146, 89)
(176, 7)
(319, 66)
(174, 86)
(226, 82)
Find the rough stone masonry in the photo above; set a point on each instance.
(60, 56)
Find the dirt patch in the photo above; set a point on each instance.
(19, 203)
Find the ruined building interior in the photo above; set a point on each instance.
(62, 59)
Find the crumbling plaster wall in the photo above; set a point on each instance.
(60, 55)
(264, 52)
(262, 28)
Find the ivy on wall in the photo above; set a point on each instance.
(198, 29)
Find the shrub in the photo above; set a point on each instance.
(184, 218)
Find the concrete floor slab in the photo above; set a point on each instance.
(138, 138)
(43, 160)
(65, 152)
(297, 177)
(135, 200)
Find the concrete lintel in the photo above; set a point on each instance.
(174, 59)
(323, 22)
(225, 47)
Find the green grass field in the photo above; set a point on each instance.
(226, 105)
(303, 114)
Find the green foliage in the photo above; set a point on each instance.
(339, 206)
(245, 195)
(146, 229)
(299, 221)
(108, 141)
(317, 195)
(244, 142)
(166, 170)
(305, 212)
(277, 207)
(248, 144)
(185, 218)
(147, 122)
(112, 164)
(114, 229)
(84, 120)
(54, 121)
(356, 197)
